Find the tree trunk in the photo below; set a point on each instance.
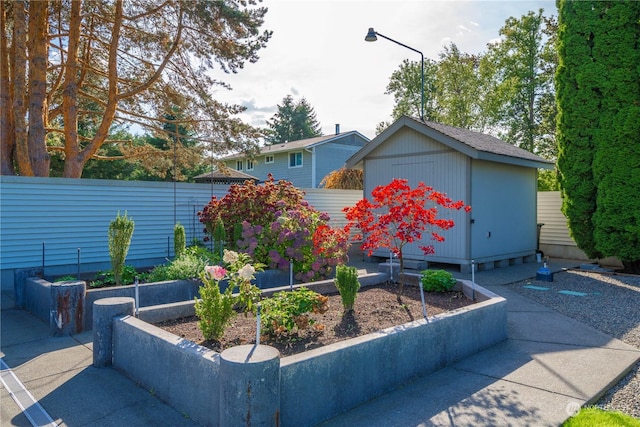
(73, 165)
(19, 70)
(38, 43)
(7, 141)
(400, 277)
(75, 157)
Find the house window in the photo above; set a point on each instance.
(249, 165)
(268, 159)
(239, 165)
(295, 159)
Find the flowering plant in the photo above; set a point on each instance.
(215, 308)
(279, 227)
(399, 215)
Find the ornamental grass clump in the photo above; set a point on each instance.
(437, 281)
(215, 308)
(120, 233)
(348, 285)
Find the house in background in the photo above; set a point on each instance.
(305, 162)
(497, 179)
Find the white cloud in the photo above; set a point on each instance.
(318, 52)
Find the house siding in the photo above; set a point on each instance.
(329, 156)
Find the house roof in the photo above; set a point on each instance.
(298, 145)
(474, 144)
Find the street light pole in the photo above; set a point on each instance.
(372, 36)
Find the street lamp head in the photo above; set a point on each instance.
(371, 36)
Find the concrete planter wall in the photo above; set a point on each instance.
(37, 295)
(40, 297)
(318, 384)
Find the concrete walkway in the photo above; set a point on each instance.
(549, 366)
(546, 370)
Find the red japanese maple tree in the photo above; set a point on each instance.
(398, 215)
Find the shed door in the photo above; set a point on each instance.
(445, 172)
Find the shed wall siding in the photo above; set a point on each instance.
(425, 160)
(503, 208)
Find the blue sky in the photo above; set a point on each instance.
(318, 52)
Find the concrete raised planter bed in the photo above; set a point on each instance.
(51, 302)
(313, 386)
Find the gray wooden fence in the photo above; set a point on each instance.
(55, 221)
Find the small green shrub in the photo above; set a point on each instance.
(188, 266)
(120, 233)
(214, 309)
(437, 280)
(219, 236)
(348, 285)
(179, 240)
(287, 310)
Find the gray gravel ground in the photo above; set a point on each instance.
(611, 304)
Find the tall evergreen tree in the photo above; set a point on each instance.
(293, 121)
(129, 57)
(598, 94)
(526, 62)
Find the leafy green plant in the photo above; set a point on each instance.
(216, 309)
(287, 310)
(348, 285)
(108, 277)
(189, 265)
(437, 280)
(120, 233)
(66, 278)
(179, 239)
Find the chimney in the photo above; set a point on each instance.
(337, 128)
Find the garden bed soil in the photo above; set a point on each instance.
(376, 308)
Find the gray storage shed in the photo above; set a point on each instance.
(497, 179)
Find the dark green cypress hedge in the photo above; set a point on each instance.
(598, 93)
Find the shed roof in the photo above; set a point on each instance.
(299, 144)
(476, 145)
